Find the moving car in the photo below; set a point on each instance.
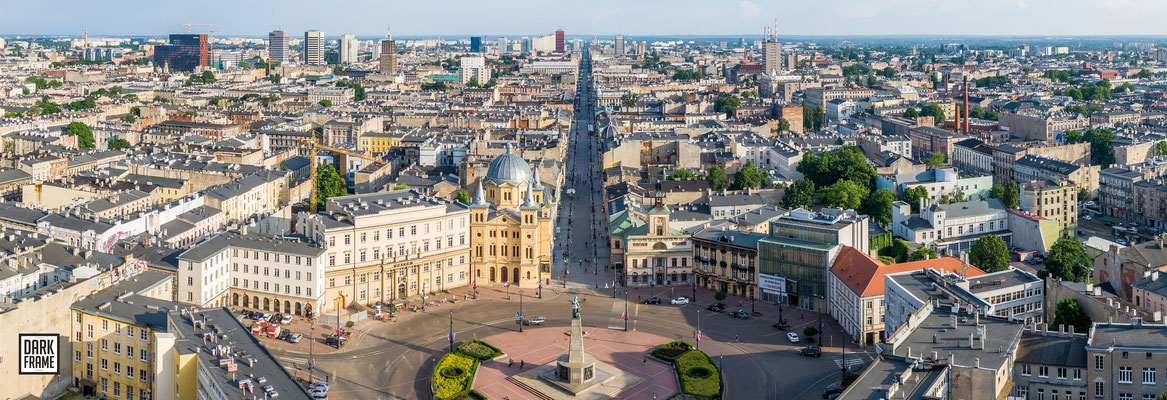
(793, 337)
(782, 325)
(811, 351)
(535, 321)
(652, 300)
(680, 300)
(739, 314)
(719, 307)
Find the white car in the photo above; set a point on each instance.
(287, 319)
(793, 337)
(320, 385)
(1087, 218)
(680, 300)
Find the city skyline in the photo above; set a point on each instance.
(525, 17)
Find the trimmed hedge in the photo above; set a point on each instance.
(698, 374)
(670, 351)
(447, 388)
(479, 350)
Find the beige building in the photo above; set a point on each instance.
(387, 246)
(511, 225)
(1126, 361)
(1050, 200)
(648, 252)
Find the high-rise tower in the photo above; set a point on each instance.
(772, 51)
(388, 61)
(277, 46)
(313, 48)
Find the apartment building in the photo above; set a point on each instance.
(950, 228)
(253, 271)
(1050, 363)
(973, 156)
(386, 246)
(726, 261)
(940, 183)
(1126, 361)
(927, 140)
(1039, 168)
(1051, 200)
(1041, 126)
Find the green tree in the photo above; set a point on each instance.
(843, 194)
(717, 179)
(989, 253)
(128, 118)
(1067, 260)
(878, 206)
(118, 144)
(887, 260)
(727, 104)
(275, 78)
(1070, 313)
(800, 194)
(818, 118)
(846, 162)
(935, 160)
(1143, 74)
(783, 125)
(686, 75)
(462, 196)
(682, 175)
(131, 96)
(328, 184)
(922, 253)
(433, 86)
(628, 100)
(810, 332)
(911, 113)
(473, 82)
(871, 82)
(85, 104)
(400, 186)
(84, 134)
(749, 177)
(913, 195)
(1161, 148)
(1009, 194)
(1100, 148)
(898, 250)
(326, 103)
(934, 111)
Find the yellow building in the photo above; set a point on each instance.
(510, 225)
(376, 142)
(1051, 200)
(113, 336)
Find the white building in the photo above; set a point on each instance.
(938, 182)
(313, 48)
(951, 228)
(839, 110)
(253, 271)
(348, 49)
(473, 68)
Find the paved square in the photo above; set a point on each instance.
(534, 347)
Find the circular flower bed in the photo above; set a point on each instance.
(454, 372)
(699, 372)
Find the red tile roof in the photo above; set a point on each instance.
(864, 275)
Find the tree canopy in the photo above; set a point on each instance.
(628, 100)
(328, 184)
(922, 253)
(326, 103)
(913, 195)
(1070, 313)
(749, 177)
(727, 104)
(118, 144)
(878, 206)
(462, 196)
(934, 111)
(1101, 153)
(83, 132)
(682, 175)
(1067, 260)
(847, 162)
(843, 194)
(800, 194)
(717, 179)
(937, 159)
(686, 75)
(1009, 194)
(989, 253)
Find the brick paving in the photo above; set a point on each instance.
(624, 350)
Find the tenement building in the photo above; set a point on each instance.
(385, 246)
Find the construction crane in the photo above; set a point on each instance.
(312, 147)
(211, 37)
(188, 25)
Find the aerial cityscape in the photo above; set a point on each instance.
(532, 200)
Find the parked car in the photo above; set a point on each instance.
(1087, 217)
(284, 335)
(811, 351)
(719, 307)
(782, 325)
(316, 394)
(336, 341)
(680, 300)
(652, 300)
(535, 321)
(264, 317)
(832, 391)
(792, 337)
(295, 338)
(319, 385)
(287, 319)
(739, 314)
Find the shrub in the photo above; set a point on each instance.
(698, 375)
(479, 350)
(670, 351)
(719, 296)
(349, 324)
(453, 375)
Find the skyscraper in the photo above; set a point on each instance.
(277, 46)
(476, 44)
(348, 49)
(184, 53)
(504, 45)
(619, 45)
(559, 44)
(473, 68)
(525, 45)
(772, 51)
(388, 60)
(313, 48)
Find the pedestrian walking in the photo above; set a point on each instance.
(736, 338)
(522, 364)
(511, 363)
(645, 360)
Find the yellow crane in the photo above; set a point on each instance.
(211, 37)
(312, 147)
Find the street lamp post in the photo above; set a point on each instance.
(451, 331)
(698, 329)
(752, 310)
(520, 311)
(626, 316)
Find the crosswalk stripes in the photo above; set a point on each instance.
(852, 362)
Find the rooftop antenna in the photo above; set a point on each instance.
(388, 32)
(774, 31)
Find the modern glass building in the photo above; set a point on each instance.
(184, 53)
(799, 252)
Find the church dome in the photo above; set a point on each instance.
(509, 168)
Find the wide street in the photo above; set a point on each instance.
(395, 359)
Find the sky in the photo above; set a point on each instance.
(454, 18)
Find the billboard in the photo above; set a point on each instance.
(772, 284)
